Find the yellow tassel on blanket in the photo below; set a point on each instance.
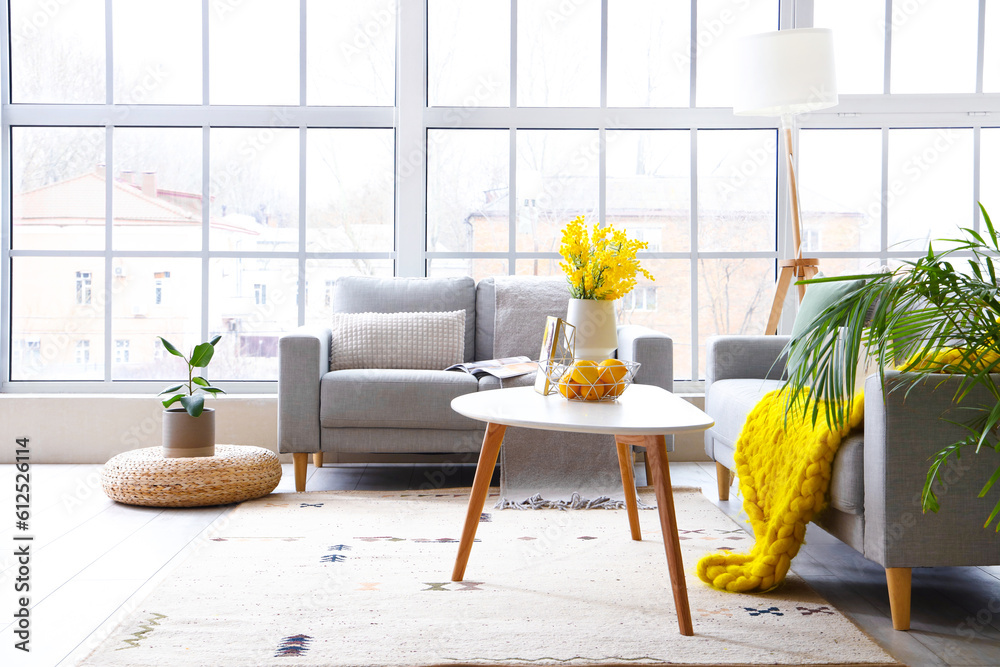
(784, 469)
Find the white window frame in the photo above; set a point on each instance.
(411, 118)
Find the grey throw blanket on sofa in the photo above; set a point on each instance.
(547, 468)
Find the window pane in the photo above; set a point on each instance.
(59, 181)
(991, 56)
(930, 185)
(251, 302)
(840, 190)
(57, 52)
(559, 53)
(734, 297)
(649, 186)
(934, 46)
(736, 190)
(859, 42)
(557, 173)
(477, 268)
(254, 52)
(157, 198)
(152, 297)
(57, 318)
(664, 305)
(468, 53)
(721, 24)
(320, 276)
(161, 66)
(649, 53)
(350, 52)
(254, 189)
(349, 190)
(989, 172)
(468, 185)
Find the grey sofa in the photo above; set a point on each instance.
(877, 474)
(388, 411)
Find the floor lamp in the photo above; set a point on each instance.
(786, 73)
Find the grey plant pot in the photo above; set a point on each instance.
(184, 435)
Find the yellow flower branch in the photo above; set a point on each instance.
(599, 264)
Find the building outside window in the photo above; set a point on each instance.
(83, 352)
(84, 286)
(260, 294)
(642, 298)
(121, 351)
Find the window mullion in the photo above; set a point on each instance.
(411, 139)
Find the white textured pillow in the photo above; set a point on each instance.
(428, 341)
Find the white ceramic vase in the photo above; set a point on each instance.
(596, 328)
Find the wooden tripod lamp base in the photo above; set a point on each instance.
(798, 269)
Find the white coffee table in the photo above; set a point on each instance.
(642, 416)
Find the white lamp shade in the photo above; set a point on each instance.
(785, 72)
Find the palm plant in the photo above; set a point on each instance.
(928, 316)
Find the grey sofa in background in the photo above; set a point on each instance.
(878, 474)
(360, 412)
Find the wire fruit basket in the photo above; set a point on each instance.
(583, 380)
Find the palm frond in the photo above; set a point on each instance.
(907, 319)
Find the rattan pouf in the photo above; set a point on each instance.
(235, 473)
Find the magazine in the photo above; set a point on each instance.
(507, 367)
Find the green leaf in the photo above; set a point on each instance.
(173, 399)
(200, 381)
(170, 348)
(193, 404)
(202, 354)
(990, 483)
(213, 390)
(168, 390)
(215, 340)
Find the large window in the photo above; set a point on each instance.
(187, 182)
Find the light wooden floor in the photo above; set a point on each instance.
(93, 559)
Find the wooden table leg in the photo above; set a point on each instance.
(628, 482)
(477, 498)
(656, 450)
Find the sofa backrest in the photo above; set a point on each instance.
(529, 301)
(366, 294)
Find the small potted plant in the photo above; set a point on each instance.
(189, 430)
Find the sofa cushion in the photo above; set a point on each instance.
(366, 294)
(730, 401)
(428, 341)
(818, 298)
(388, 398)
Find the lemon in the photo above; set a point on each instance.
(586, 373)
(567, 387)
(612, 376)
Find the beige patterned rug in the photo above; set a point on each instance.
(362, 578)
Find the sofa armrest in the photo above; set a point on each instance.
(745, 357)
(903, 430)
(653, 349)
(303, 360)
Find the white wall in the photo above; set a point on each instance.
(90, 428)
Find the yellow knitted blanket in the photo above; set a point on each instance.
(784, 472)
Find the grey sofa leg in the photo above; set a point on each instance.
(318, 459)
(899, 582)
(724, 479)
(299, 462)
